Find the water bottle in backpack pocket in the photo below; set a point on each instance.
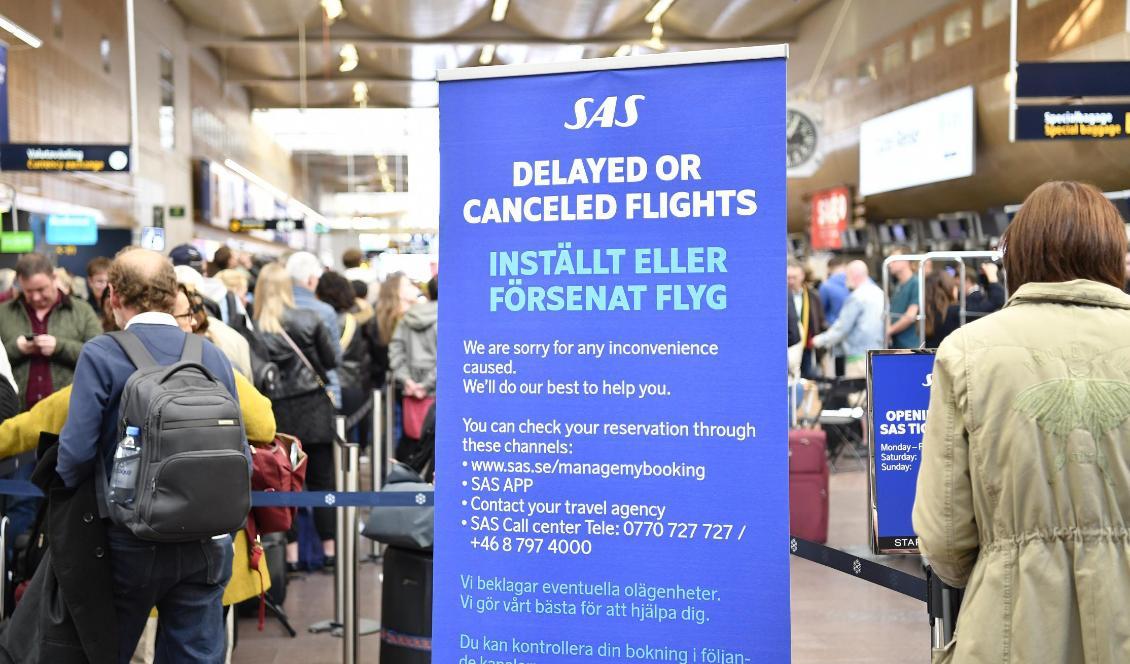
(188, 476)
(123, 475)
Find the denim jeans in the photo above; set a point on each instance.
(185, 581)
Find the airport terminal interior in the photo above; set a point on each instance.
(294, 164)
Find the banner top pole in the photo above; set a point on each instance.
(602, 64)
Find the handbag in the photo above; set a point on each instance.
(414, 411)
(302, 356)
(410, 527)
(279, 466)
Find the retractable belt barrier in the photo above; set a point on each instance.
(24, 488)
(880, 575)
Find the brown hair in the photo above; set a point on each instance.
(96, 265)
(195, 307)
(137, 289)
(30, 265)
(939, 297)
(351, 257)
(1065, 230)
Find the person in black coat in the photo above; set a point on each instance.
(301, 346)
(67, 613)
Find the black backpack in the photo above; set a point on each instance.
(265, 374)
(194, 477)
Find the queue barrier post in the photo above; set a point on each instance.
(5, 532)
(347, 558)
(335, 623)
(378, 462)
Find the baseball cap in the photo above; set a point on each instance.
(186, 254)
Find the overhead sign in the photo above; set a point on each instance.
(619, 490)
(64, 158)
(18, 242)
(930, 141)
(830, 209)
(1105, 121)
(280, 225)
(1073, 79)
(898, 384)
(75, 229)
(153, 238)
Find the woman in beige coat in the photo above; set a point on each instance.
(1024, 488)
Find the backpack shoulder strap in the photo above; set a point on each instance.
(193, 349)
(137, 352)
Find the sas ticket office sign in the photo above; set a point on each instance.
(65, 158)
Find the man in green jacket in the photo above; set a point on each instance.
(43, 330)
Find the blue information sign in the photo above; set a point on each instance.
(76, 229)
(613, 454)
(898, 396)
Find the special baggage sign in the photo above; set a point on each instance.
(614, 464)
(898, 383)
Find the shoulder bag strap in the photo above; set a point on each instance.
(347, 331)
(193, 351)
(135, 350)
(302, 356)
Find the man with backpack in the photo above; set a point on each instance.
(169, 400)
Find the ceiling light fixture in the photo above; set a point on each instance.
(334, 10)
(487, 55)
(361, 93)
(656, 41)
(625, 49)
(19, 33)
(498, 12)
(349, 58)
(658, 10)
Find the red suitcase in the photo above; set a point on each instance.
(808, 484)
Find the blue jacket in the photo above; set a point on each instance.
(304, 299)
(833, 293)
(100, 375)
(860, 325)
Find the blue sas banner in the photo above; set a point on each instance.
(612, 458)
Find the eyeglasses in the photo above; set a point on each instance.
(184, 315)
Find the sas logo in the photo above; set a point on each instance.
(604, 114)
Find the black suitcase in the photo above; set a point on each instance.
(406, 607)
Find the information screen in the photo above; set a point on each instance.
(612, 477)
(898, 384)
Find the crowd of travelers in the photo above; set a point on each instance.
(844, 313)
(292, 344)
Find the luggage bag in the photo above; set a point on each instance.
(808, 485)
(406, 607)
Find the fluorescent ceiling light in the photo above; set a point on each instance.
(658, 10)
(625, 49)
(19, 33)
(279, 193)
(487, 55)
(333, 9)
(349, 58)
(498, 12)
